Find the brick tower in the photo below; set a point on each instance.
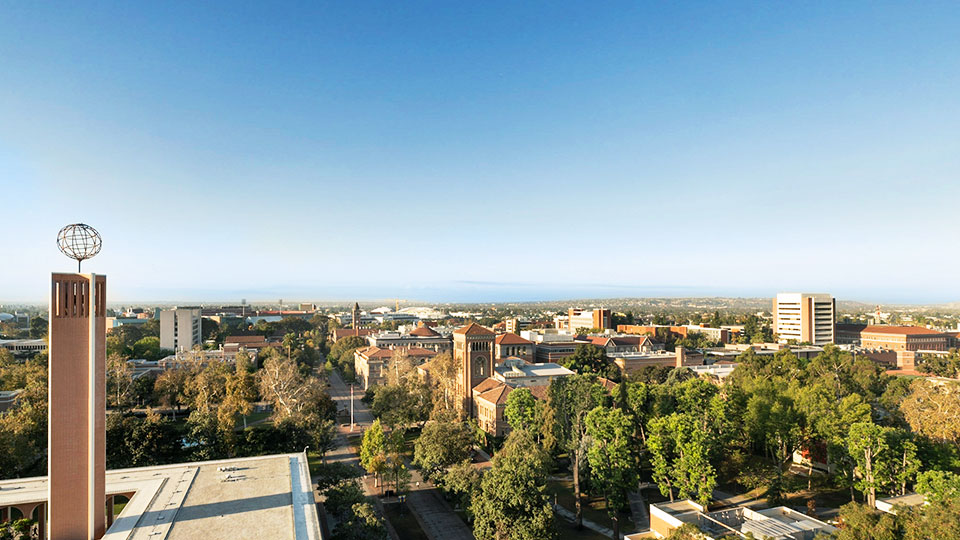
(473, 354)
(76, 462)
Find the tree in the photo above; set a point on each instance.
(610, 459)
(513, 503)
(362, 523)
(204, 437)
(171, 387)
(938, 486)
(904, 463)
(280, 382)
(441, 445)
(373, 449)
(571, 398)
(38, 327)
(462, 480)
(240, 388)
(934, 411)
(401, 405)
(523, 411)
(861, 522)
(443, 378)
(680, 453)
(869, 449)
(590, 359)
(119, 380)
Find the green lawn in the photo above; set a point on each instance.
(255, 417)
(567, 531)
(594, 508)
(407, 526)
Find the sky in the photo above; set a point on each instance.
(483, 151)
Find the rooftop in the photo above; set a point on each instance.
(234, 499)
(473, 329)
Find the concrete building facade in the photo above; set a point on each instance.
(804, 317)
(180, 329)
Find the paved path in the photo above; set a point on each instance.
(728, 499)
(638, 510)
(435, 516)
(572, 518)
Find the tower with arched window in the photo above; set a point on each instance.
(473, 353)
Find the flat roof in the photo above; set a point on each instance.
(232, 499)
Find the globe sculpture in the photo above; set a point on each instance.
(79, 241)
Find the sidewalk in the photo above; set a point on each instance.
(572, 517)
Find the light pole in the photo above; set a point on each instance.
(351, 408)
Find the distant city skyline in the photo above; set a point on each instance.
(483, 152)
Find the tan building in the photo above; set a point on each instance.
(804, 318)
(902, 338)
(623, 344)
(77, 408)
(473, 353)
(507, 345)
(422, 337)
(373, 363)
(577, 318)
(340, 333)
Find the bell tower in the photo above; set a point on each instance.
(473, 354)
(356, 316)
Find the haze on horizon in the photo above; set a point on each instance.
(483, 152)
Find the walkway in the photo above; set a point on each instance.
(638, 510)
(435, 516)
(572, 518)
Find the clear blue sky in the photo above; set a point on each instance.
(484, 150)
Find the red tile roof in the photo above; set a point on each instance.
(899, 330)
(607, 383)
(497, 396)
(539, 392)
(512, 339)
(425, 331)
(244, 339)
(339, 333)
(486, 384)
(473, 329)
(381, 353)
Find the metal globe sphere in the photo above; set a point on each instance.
(79, 241)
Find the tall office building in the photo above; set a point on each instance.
(76, 462)
(804, 317)
(180, 329)
(585, 319)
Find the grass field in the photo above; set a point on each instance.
(594, 509)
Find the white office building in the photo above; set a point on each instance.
(180, 329)
(804, 317)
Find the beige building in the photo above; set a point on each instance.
(373, 363)
(507, 345)
(804, 317)
(180, 329)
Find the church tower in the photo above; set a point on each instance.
(356, 316)
(473, 354)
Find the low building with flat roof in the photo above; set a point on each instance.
(519, 372)
(24, 347)
(233, 499)
(779, 523)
